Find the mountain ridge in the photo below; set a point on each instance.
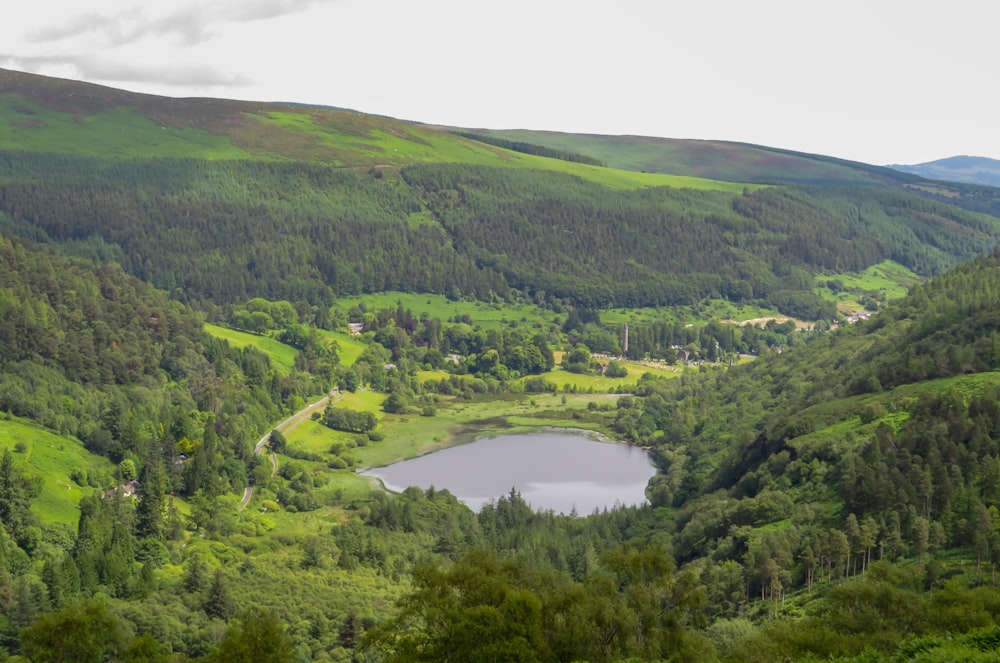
(960, 168)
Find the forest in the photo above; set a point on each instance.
(825, 490)
(770, 524)
(227, 231)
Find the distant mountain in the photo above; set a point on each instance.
(973, 170)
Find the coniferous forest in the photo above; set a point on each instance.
(825, 489)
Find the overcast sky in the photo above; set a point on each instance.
(879, 81)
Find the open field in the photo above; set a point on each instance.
(484, 314)
(350, 347)
(53, 457)
(282, 356)
(562, 379)
(887, 280)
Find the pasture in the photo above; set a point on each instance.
(53, 458)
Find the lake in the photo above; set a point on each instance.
(553, 470)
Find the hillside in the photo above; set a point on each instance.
(712, 159)
(741, 162)
(223, 201)
(55, 116)
(177, 276)
(827, 422)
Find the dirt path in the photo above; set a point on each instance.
(284, 428)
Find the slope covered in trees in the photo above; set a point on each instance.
(970, 186)
(228, 231)
(223, 201)
(878, 442)
(90, 352)
(787, 491)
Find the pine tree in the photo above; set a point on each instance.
(218, 602)
(149, 512)
(350, 631)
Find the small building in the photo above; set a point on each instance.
(356, 328)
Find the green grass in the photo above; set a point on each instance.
(350, 346)
(386, 143)
(282, 356)
(118, 132)
(887, 281)
(601, 384)
(363, 401)
(484, 314)
(125, 125)
(53, 458)
(314, 437)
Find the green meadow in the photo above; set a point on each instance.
(887, 280)
(486, 315)
(349, 347)
(567, 381)
(282, 356)
(52, 457)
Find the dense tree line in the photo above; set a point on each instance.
(774, 488)
(299, 232)
(93, 353)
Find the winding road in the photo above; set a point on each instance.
(284, 428)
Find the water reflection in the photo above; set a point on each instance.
(560, 471)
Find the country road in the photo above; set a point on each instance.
(284, 428)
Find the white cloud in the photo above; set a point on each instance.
(188, 25)
(89, 67)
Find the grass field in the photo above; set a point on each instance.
(350, 347)
(282, 356)
(888, 280)
(601, 384)
(52, 457)
(484, 314)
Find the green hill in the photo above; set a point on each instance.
(222, 201)
(742, 162)
(890, 420)
(56, 116)
(836, 496)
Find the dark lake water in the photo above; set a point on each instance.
(553, 470)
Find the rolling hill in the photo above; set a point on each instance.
(964, 181)
(786, 486)
(213, 200)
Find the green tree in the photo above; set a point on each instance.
(82, 632)
(351, 630)
(578, 360)
(218, 602)
(151, 510)
(258, 637)
(16, 491)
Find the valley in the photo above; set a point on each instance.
(215, 315)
